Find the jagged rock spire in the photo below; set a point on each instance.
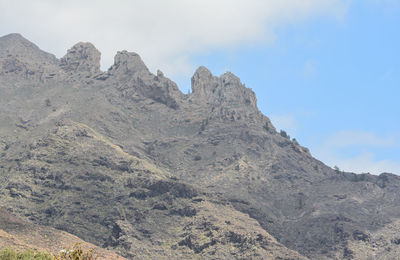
(82, 57)
(210, 89)
(203, 84)
(127, 63)
(15, 45)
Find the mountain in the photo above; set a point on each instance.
(126, 161)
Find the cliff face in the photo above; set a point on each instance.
(125, 160)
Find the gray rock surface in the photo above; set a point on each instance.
(128, 63)
(83, 57)
(22, 60)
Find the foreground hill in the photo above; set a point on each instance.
(21, 235)
(126, 161)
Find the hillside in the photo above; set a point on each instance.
(18, 234)
(126, 161)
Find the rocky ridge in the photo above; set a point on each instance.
(208, 166)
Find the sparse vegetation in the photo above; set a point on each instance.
(12, 254)
(197, 158)
(266, 126)
(203, 125)
(359, 177)
(47, 102)
(284, 134)
(76, 253)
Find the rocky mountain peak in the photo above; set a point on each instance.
(82, 57)
(23, 59)
(13, 38)
(230, 78)
(207, 88)
(202, 73)
(127, 63)
(203, 84)
(235, 91)
(16, 46)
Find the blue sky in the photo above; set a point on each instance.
(327, 72)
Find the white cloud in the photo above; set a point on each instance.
(164, 33)
(360, 138)
(366, 162)
(285, 122)
(309, 68)
(386, 3)
(362, 163)
(388, 75)
(360, 143)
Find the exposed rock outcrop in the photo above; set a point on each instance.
(20, 58)
(226, 90)
(128, 63)
(82, 58)
(135, 81)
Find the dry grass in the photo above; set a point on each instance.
(76, 253)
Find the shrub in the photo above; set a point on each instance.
(11, 254)
(284, 134)
(203, 125)
(76, 253)
(47, 102)
(197, 158)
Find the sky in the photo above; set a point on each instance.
(325, 71)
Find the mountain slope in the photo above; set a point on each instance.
(18, 234)
(77, 140)
(76, 180)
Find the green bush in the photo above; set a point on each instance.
(47, 102)
(284, 134)
(11, 254)
(76, 253)
(203, 125)
(266, 126)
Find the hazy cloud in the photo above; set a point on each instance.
(332, 151)
(164, 33)
(359, 138)
(309, 68)
(362, 163)
(285, 122)
(366, 162)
